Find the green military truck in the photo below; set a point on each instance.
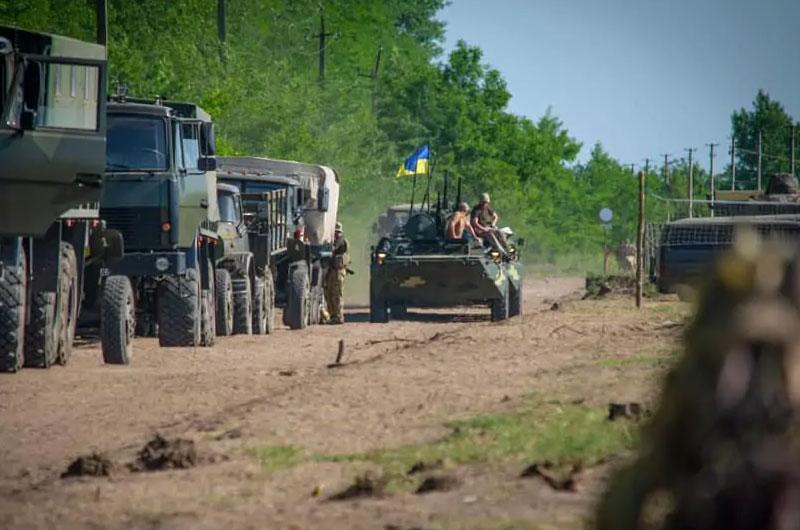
(244, 278)
(160, 193)
(293, 206)
(52, 154)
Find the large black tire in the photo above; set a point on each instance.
(298, 303)
(514, 299)
(208, 321)
(499, 307)
(224, 308)
(69, 302)
(41, 335)
(117, 320)
(242, 306)
(179, 311)
(12, 317)
(264, 305)
(378, 309)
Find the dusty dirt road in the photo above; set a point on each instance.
(399, 385)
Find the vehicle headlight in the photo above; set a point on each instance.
(162, 264)
(380, 257)
(495, 255)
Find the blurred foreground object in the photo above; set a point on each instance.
(721, 449)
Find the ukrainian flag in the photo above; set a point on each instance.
(416, 164)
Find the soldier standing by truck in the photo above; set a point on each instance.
(334, 279)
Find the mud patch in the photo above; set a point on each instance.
(364, 486)
(91, 465)
(560, 478)
(632, 411)
(162, 453)
(422, 467)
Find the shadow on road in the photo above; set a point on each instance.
(434, 318)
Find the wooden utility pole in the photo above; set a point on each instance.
(374, 77)
(666, 170)
(760, 157)
(322, 36)
(733, 163)
(794, 150)
(691, 180)
(640, 243)
(711, 155)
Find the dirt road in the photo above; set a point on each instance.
(268, 415)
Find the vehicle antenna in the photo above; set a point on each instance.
(444, 195)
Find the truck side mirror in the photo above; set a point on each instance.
(207, 163)
(323, 200)
(208, 139)
(27, 121)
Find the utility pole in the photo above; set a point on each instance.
(633, 169)
(691, 180)
(374, 77)
(221, 20)
(760, 157)
(321, 36)
(666, 170)
(711, 147)
(794, 150)
(667, 186)
(733, 163)
(640, 243)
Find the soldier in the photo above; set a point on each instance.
(484, 222)
(334, 281)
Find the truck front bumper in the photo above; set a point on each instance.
(150, 264)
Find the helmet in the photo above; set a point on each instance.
(485, 197)
(338, 227)
(463, 207)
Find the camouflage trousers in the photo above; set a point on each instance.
(334, 293)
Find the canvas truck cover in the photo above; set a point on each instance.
(316, 181)
(57, 162)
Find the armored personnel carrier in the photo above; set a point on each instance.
(417, 267)
(293, 208)
(52, 154)
(160, 193)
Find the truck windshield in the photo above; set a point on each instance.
(136, 144)
(228, 208)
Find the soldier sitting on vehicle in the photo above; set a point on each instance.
(484, 223)
(458, 225)
(334, 280)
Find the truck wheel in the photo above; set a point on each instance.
(208, 321)
(69, 301)
(298, 303)
(514, 299)
(398, 310)
(499, 307)
(243, 306)
(378, 308)
(179, 310)
(117, 320)
(315, 307)
(41, 337)
(224, 302)
(269, 303)
(12, 317)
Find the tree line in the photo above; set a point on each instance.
(387, 88)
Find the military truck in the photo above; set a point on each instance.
(160, 193)
(294, 228)
(52, 153)
(418, 267)
(244, 278)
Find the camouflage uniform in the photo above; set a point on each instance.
(334, 279)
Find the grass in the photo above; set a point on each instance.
(639, 359)
(559, 433)
(275, 457)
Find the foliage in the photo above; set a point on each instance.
(263, 88)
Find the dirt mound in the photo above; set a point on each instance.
(600, 286)
(91, 465)
(162, 453)
(366, 485)
(438, 483)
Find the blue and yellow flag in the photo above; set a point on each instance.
(416, 164)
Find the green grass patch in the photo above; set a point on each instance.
(559, 433)
(275, 457)
(642, 360)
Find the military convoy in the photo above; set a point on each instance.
(417, 266)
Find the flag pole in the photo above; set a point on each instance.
(413, 192)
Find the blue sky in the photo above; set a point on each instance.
(643, 77)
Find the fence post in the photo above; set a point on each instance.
(640, 243)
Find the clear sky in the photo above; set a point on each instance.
(643, 77)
